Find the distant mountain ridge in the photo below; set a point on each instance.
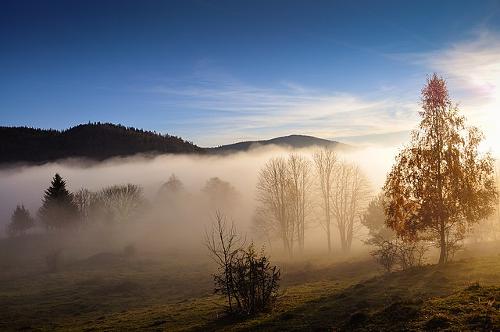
(291, 141)
(100, 141)
(94, 141)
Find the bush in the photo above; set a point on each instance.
(246, 278)
(386, 254)
(251, 281)
(398, 253)
(411, 254)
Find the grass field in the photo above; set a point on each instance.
(111, 292)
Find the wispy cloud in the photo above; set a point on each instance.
(218, 108)
(228, 110)
(472, 68)
(472, 64)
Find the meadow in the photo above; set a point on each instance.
(174, 292)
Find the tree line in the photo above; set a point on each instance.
(96, 141)
(111, 205)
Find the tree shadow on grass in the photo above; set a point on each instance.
(388, 302)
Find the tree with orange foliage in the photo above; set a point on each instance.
(440, 184)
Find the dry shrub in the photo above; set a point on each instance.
(398, 253)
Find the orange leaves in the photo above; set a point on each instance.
(440, 182)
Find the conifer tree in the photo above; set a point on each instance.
(58, 210)
(20, 222)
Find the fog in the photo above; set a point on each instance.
(182, 221)
(158, 253)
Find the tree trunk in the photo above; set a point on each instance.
(328, 234)
(342, 236)
(285, 243)
(442, 245)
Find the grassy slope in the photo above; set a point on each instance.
(343, 296)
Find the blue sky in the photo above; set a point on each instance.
(216, 72)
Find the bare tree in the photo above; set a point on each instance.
(223, 244)
(325, 161)
(300, 182)
(349, 198)
(121, 202)
(86, 202)
(273, 192)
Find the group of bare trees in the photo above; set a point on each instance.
(344, 192)
(283, 191)
(112, 205)
(348, 201)
(287, 191)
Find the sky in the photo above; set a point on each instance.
(217, 72)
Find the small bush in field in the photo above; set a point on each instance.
(254, 282)
(246, 278)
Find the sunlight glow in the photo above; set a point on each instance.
(491, 119)
(492, 127)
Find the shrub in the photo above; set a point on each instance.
(411, 254)
(398, 253)
(253, 282)
(247, 279)
(386, 254)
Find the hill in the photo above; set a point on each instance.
(292, 141)
(95, 141)
(100, 141)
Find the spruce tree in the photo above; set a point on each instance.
(58, 210)
(20, 221)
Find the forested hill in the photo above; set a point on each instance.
(95, 141)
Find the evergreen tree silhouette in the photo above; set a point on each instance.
(58, 209)
(21, 221)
